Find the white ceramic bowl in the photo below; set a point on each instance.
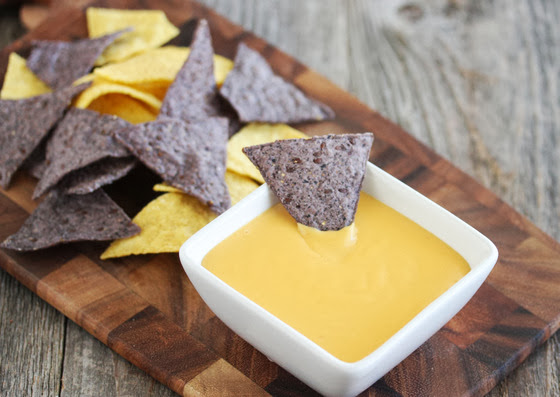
(299, 355)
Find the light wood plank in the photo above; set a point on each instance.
(92, 369)
(31, 331)
(31, 342)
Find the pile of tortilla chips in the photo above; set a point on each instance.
(138, 100)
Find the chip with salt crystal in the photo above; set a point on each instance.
(317, 180)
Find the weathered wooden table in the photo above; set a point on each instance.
(477, 81)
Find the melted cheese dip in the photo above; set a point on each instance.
(348, 291)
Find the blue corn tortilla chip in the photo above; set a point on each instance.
(25, 122)
(36, 163)
(190, 156)
(60, 63)
(100, 173)
(318, 180)
(257, 94)
(81, 138)
(194, 95)
(64, 218)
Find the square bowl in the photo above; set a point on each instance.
(296, 353)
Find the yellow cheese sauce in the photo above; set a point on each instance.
(348, 291)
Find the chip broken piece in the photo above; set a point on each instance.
(60, 63)
(318, 180)
(190, 156)
(257, 94)
(24, 123)
(67, 218)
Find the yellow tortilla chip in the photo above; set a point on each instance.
(125, 107)
(239, 186)
(20, 82)
(166, 223)
(157, 68)
(101, 88)
(90, 77)
(255, 134)
(151, 29)
(169, 220)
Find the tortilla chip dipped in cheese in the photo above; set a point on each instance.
(317, 180)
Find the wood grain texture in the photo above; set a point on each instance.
(475, 80)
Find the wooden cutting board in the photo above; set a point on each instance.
(146, 309)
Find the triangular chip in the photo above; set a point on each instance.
(318, 180)
(150, 29)
(157, 66)
(255, 134)
(19, 81)
(125, 107)
(172, 218)
(193, 94)
(60, 63)
(239, 186)
(100, 173)
(23, 125)
(189, 156)
(257, 94)
(65, 218)
(80, 139)
(166, 223)
(99, 89)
